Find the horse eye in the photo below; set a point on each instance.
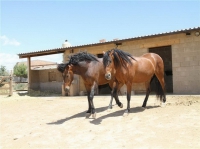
(67, 75)
(108, 63)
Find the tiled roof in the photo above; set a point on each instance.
(35, 63)
(40, 64)
(62, 50)
(43, 67)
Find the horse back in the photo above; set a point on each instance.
(96, 72)
(144, 67)
(154, 58)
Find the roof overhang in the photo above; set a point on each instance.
(42, 53)
(116, 42)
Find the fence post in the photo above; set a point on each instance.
(11, 83)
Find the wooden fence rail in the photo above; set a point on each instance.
(6, 80)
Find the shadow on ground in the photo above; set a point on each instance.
(120, 113)
(81, 114)
(99, 119)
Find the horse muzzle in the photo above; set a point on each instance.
(108, 76)
(67, 88)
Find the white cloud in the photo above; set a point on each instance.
(8, 60)
(6, 41)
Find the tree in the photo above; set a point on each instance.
(20, 70)
(3, 71)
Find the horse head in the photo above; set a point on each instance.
(67, 74)
(108, 62)
(115, 60)
(68, 77)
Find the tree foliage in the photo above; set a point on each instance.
(3, 71)
(20, 70)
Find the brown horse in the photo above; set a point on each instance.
(127, 69)
(92, 71)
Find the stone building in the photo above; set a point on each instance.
(179, 49)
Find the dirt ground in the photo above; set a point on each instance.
(59, 122)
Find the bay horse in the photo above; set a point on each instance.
(127, 69)
(92, 71)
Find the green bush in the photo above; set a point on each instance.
(3, 72)
(21, 86)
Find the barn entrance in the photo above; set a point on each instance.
(165, 53)
(103, 89)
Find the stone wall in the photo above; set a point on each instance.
(40, 80)
(186, 65)
(185, 59)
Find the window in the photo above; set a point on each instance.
(100, 55)
(52, 76)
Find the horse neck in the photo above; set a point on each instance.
(120, 69)
(79, 68)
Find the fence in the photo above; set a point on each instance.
(6, 84)
(9, 84)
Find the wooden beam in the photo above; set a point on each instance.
(11, 83)
(29, 72)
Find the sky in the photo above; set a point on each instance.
(28, 26)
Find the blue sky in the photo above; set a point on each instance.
(28, 26)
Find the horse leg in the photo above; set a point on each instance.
(161, 80)
(91, 110)
(128, 99)
(148, 90)
(88, 113)
(110, 104)
(114, 93)
(111, 100)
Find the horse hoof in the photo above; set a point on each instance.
(163, 105)
(109, 107)
(94, 115)
(121, 106)
(87, 115)
(144, 108)
(126, 113)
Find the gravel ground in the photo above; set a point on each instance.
(59, 122)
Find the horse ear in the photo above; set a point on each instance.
(104, 52)
(70, 66)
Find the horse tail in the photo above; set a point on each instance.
(160, 92)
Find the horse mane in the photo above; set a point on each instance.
(61, 67)
(75, 59)
(120, 58)
(82, 56)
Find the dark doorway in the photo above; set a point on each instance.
(165, 53)
(103, 89)
(100, 55)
